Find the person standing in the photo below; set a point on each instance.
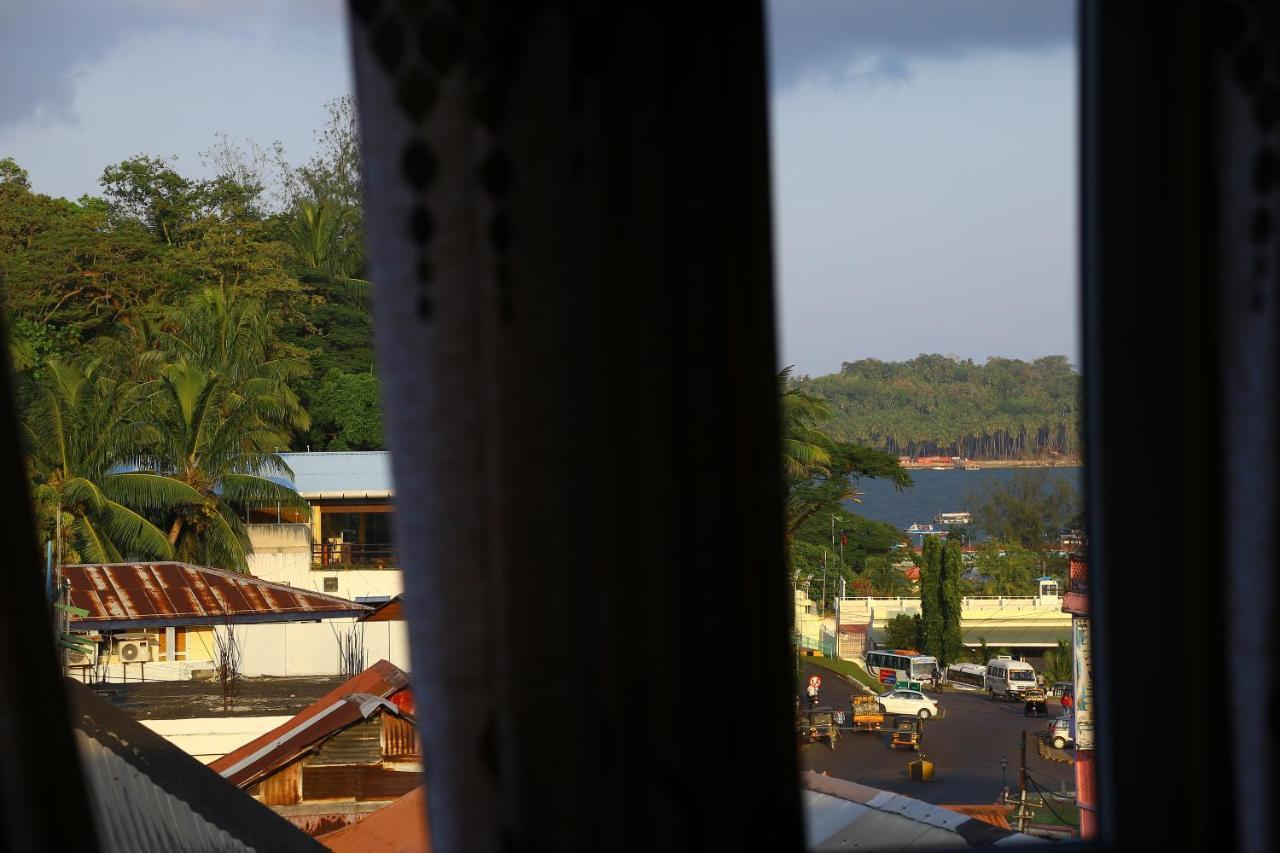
(1066, 703)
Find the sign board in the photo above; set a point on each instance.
(1082, 648)
(888, 676)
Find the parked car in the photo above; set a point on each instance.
(908, 702)
(1061, 734)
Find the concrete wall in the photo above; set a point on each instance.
(311, 648)
(209, 738)
(282, 553)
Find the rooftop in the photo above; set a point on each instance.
(349, 702)
(148, 795)
(398, 828)
(124, 596)
(350, 474)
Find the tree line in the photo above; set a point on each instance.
(937, 405)
(172, 335)
(288, 239)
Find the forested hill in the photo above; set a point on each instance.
(936, 405)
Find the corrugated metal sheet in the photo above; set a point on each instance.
(327, 715)
(134, 595)
(389, 611)
(354, 473)
(399, 828)
(147, 795)
(360, 743)
(842, 815)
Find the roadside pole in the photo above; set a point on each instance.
(1076, 603)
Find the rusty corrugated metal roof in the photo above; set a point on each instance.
(337, 709)
(138, 595)
(147, 795)
(400, 827)
(388, 611)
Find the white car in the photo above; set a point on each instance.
(908, 702)
(1060, 734)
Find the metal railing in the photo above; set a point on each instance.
(330, 556)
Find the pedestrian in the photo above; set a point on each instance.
(839, 716)
(1066, 703)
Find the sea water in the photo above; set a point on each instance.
(952, 490)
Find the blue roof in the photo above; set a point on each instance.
(353, 472)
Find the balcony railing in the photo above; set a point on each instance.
(330, 557)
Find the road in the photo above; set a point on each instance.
(965, 746)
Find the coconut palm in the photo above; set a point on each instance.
(325, 240)
(83, 426)
(805, 448)
(219, 441)
(234, 338)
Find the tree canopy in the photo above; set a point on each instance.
(937, 405)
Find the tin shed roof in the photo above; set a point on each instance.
(398, 828)
(350, 702)
(123, 596)
(841, 815)
(389, 611)
(148, 795)
(339, 475)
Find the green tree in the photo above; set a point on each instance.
(82, 426)
(219, 442)
(932, 607)
(952, 565)
(346, 412)
(904, 632)
(1031, 508)
(1006, 568)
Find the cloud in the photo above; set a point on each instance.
(828, 39)
(46, 45)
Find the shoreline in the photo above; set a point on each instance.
(1000, 463)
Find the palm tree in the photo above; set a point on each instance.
(805, 448)
(219, 441)
(233, 337)
(82, 428)
(325, 240)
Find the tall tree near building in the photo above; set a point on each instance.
(952, 570)
(931, 604)
(85, 422)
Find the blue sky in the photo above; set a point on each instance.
(924, 155)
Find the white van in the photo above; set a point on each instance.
(1007, 678)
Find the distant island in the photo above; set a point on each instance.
(1003, 412)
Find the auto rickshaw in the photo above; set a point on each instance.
(907, 731)
(817, 723)
(1033, 703)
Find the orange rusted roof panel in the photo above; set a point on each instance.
(127, 595)
(400, 827)
(328, 714)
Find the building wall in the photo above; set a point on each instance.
(282, 554)
(209, 738)
(311, 648)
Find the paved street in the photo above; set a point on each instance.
(965, 746)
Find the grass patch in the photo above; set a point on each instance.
(849, 668)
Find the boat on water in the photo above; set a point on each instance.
(972, 467)
(943, 519)
(939, 468)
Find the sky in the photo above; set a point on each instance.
(923, 150)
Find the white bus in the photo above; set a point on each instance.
(967, 675)
(1007, 678)
(903, 665)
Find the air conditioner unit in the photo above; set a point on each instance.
(134, 651)
(87, 656)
